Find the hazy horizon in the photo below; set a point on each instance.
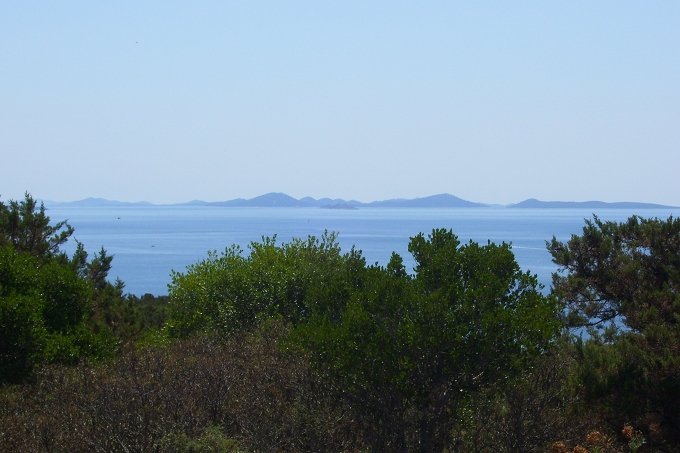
(493, 102)
(488, 203)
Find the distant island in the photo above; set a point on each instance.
(282, 200)
(340, 206)
(534, 204)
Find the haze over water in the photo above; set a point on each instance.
(148, 242)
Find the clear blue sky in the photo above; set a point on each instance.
(491, 101)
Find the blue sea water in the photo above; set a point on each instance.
(147, 242)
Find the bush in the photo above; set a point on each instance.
(230, 292)
(245, 393)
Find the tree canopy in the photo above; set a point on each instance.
(25, 226)
(622, 281)
(406, 350)
(46, 297)
(620, 274)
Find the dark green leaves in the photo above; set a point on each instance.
(25, 226)
(403, 350)
(626, 273)
(623, 281)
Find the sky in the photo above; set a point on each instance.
(492, 101)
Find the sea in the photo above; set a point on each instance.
(149, 242)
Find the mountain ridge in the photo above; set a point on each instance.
(442, 200)
(533, 203)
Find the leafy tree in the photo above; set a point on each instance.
(229, 292)
(620, 274)
(410, 351)
(405, 351)
(95, 271)
(22, 331)
(43, 308)
(25, 226)
(622, 282)
(45, 297)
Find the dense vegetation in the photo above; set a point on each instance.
(55, 308)
(301, 347)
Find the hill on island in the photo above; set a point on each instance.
(538, 204)
(283, 200)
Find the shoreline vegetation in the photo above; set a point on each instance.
(297, 346)
(282, 200)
